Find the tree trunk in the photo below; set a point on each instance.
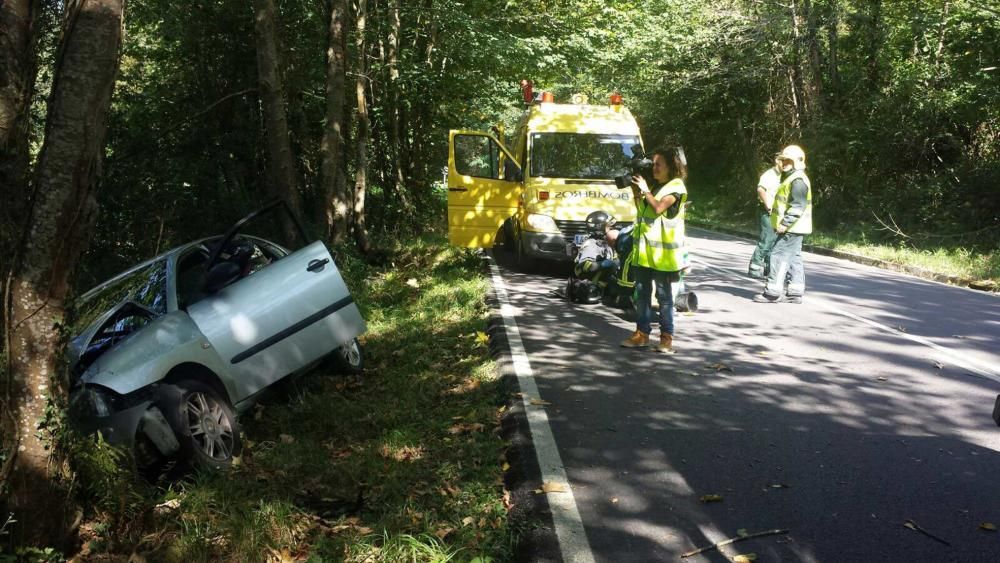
(815, 82)
(795, 68)
(334, 197)
(833, 38)
(281, 177)
(394, 110)
(62, 213)
(18, 67)
(874, 43)
(361, 160)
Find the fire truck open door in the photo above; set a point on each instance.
(484, 186)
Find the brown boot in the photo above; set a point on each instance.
(638, 339)
(666, 344)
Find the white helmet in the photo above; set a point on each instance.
(795, 154)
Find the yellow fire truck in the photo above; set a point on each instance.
(533, 194)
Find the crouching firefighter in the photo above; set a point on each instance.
(791, 218)
(658, 245)
(596, 263)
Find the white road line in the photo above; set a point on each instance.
(565, 517)
(979, 368)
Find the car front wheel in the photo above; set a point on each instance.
(205, 425)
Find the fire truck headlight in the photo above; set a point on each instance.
(542, 223)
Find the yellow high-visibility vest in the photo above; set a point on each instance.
(658, 240)
(804, 224)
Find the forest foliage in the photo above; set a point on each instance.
(895, 103)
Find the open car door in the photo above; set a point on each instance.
(280, 318)
(484, 186)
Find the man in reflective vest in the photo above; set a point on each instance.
(767, 186)
(791, 218)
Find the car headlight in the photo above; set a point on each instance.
(542, 223)
(92, 402)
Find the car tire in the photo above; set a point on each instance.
(205, 425)
(349, 358)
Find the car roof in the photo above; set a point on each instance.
(162, 256)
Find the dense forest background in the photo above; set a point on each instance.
(895, 103)
(129, 128)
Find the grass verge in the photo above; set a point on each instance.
(400, 464)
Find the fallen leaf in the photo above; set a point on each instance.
(988, 526)
(482, 337)
(711, 498)
(286, 439)
(741, 532)
(466, 427)
(539, 402)
(442, 532)
(938, 365)
(412, 282)
(901, 328)
(883, 378)
(550, 487)
(505, 467)
(614, 500)
(779, 486)
(745, 558)
(719, 366)
(468, 520)
(909, 525)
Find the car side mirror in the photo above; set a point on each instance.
(221, 275)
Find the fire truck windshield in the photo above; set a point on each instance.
(580, 155)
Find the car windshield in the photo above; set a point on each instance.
(580, 155)
(146, 286)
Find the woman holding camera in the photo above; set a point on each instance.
(658, 245)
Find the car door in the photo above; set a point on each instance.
(484, 188)
(279, 319)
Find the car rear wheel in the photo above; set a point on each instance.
(349, 358)
(205, 425)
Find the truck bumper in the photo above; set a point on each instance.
(545, 246)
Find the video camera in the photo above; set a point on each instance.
(639, 165)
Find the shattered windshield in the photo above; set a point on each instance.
(580, 155)
(146, 286)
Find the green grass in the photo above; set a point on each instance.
(417, 434)
(973, 260)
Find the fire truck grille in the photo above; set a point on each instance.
(569, 228)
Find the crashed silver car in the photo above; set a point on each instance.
(166, 354)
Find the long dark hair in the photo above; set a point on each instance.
(675, 160)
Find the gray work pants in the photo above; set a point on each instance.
(786, 265)
(765, 240)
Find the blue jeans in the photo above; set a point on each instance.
(644, 279)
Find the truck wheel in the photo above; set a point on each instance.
(205, 425)
(509, 241)
(525, 263)
(349, 358)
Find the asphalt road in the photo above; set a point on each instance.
(838, 420)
